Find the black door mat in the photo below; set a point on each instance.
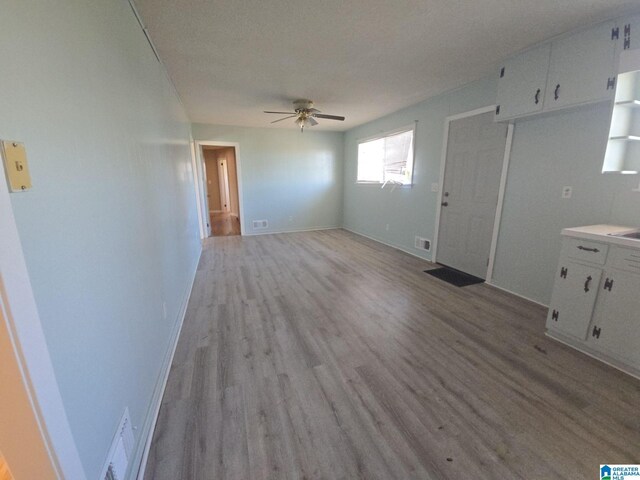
(454, 277)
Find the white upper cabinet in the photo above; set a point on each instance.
(572, 70)
(582, 68)
(521, 84)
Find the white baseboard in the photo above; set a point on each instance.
(397, 247)
(490, 283)
(516, 294)
(273, 232)
(142, 453)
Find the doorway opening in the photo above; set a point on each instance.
(222, 198)
(473, 176)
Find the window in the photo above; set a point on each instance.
(388, 158)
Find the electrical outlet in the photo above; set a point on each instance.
(567, 192)
(164, 310)
(435, 187)
(386, 227)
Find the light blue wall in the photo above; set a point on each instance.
(408, 211)
(549, 152)
(562, 149)
(291, 179)
(109, 229)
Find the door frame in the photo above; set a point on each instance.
(202, 179)
(503, 183)
(20, 316)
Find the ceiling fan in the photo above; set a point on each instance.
(305, 114)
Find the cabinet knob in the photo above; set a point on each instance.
(445, 204)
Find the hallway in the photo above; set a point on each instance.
(224, 224)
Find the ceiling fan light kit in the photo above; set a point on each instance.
(305, 114)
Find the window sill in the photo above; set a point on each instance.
(379, 184)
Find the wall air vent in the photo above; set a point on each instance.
(423, 244)
(121, 451)
(260, 224)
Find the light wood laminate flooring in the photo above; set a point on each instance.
(328, 355)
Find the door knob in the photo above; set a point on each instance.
(445, 204)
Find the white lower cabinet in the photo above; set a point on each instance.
(574, 297)
(616, 321)
(595, 304)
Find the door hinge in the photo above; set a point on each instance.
(502, 72)
(498, 110)
(615, 33)
(611, 83)
(608, 284)
(554, 315)
(596, 332)
(563, 272)
(627, 36)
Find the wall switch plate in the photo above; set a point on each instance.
(386, 227)
(16, 166)
(435, 187)
(567, 192)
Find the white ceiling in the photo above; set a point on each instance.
(232, 59)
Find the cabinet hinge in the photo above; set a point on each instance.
(554, 315)
(563, 272)
(608, 284)
(611, 83)
(627, 36)
(502, 72)
(615, 33)
(596, 332)
(498, 110)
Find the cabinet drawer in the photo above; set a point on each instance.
(587, 251)
(626, 259)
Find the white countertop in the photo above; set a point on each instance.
(603, 233)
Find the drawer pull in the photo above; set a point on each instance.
(587, 249)
(596, 332)
(587, 282)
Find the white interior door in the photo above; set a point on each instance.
(475, 154)
(223, 177)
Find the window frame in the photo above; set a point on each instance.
(385, 134)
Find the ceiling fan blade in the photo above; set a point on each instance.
(313, 110)
(328, 117)
(312, 121)
(281, 119)
(283, 113)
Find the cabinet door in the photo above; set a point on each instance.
(521, 83)
(580, 68)
(616, 320)
(574, 295)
